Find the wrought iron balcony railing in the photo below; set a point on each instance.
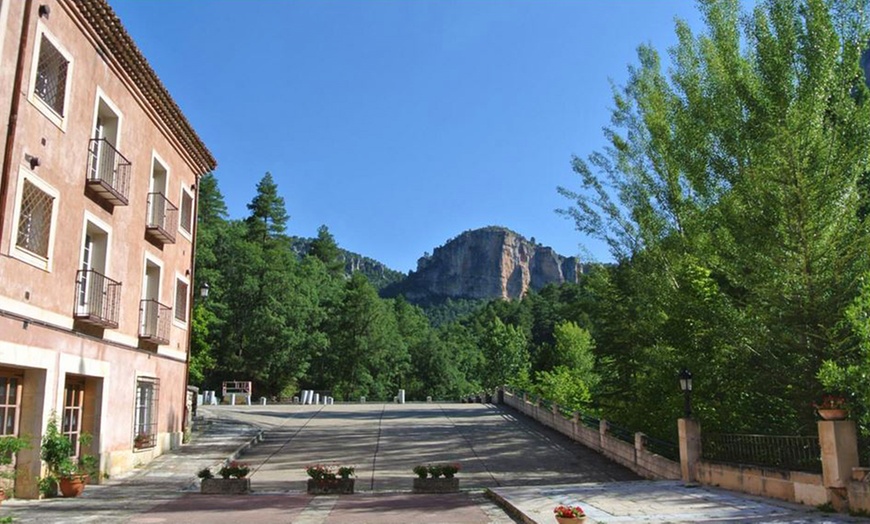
(162, 221)
(98, 299)
(154, 319)
(108, 172)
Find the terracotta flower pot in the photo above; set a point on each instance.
(571, 520)
(832, 414)
(73, 486)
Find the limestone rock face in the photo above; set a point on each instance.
(492, 262)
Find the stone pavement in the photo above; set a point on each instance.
(528, 468)
(656, 502)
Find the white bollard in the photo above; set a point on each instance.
(296, 400)
(248, 399)
(428, 399)
(401, 396)
(317, 398)
(233, 399)
(262, 401)
(362, 400)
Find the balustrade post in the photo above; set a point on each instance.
(690, 448)
(838, 440)
(639, 445)
(603, 430)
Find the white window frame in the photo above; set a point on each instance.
(90, 218)
(101, 96)
(49, 112)
(180, 323)
(22, 254)
(149, 258)
(154, 410)
(184, 232)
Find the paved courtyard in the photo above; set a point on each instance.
(526, 468)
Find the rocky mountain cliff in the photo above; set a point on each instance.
(492, 262)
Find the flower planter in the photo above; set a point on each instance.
(330, 486)
(436, 485)
(220, 486)
(832, 414)
(570, 520)
(72, 486)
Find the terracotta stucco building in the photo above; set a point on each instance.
(98, 203)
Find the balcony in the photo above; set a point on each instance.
(154, 319)
(162, 219)
(98, 299)
(108, 172)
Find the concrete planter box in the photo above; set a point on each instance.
(436, 485)
(330, 487)
(220, 486)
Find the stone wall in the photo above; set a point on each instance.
(633, 456)
(792, 486)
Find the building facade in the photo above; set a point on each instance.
(97, 225)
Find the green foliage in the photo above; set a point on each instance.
(733, 195)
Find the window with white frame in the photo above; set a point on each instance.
(10, 404)
(51, 75)
(181, 287)
(34, 220)
(145, 423)
(186, 221)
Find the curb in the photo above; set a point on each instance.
(509, 508)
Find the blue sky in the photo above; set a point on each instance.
(400, 124)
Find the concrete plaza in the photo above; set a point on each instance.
(527, 468)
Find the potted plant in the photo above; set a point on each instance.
(9, 446)
(233, 479)
(142, 441)
(327, 480)
(429, 478)
(832, 407)
(569, 514)
(68, 474)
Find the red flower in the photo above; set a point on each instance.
(568, 511)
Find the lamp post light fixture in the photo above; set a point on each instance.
(203, 291)
(686, 386)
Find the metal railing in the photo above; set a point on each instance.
(162, 221)
(108, 172)
(663, 448)
(154, 320)
(795, 453)
(98, 298)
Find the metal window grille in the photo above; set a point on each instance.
(10, 404)
(180, 300)
(34, 220)
(186, 211)
(51, 74)
(145, 425)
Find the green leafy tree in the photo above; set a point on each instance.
(730, 194)
(506, 359)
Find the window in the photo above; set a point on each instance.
(10, 404)
(73, 400)
(186, 221)
(180, 300)
(34, 220)
(145, 425)
(50, 78)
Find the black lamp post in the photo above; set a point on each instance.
(203, 291)
(686, 386)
